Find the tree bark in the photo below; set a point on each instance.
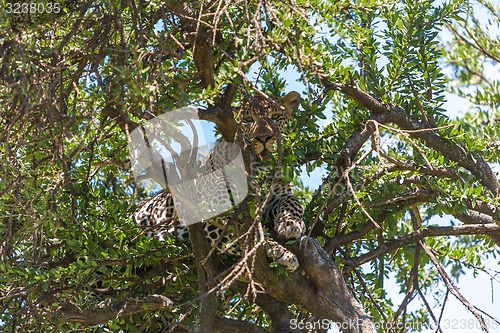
(324, 293)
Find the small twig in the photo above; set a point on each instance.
(422, 296)
(372, 299)
(361, 206)
(450, 285)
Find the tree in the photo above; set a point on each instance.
(78, 78)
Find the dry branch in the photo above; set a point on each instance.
(452, 287)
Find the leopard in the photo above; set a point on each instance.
(261, 120)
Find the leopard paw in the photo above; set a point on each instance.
(282, 256)
(290, 230)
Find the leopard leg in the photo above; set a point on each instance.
(282, 256)
(288, 218)
(156, 216)
(220, 238)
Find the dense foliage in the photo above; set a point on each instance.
(375, 75)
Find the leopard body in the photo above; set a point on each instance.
(261, 120)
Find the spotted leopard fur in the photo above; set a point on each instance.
(284, 213)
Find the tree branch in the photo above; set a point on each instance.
(474, 163)
(332, 292)
(199, 39)
(222, 117)
(420, 234)
(278, 311)
(206, 282)
(324, 293)
(356, 141)
(225, 325)
(360, 96)
(333, 243)
(452, 287)
(71, 313)
(474, 218)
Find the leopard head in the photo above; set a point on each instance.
(255, 114)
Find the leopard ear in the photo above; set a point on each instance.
(290, 101)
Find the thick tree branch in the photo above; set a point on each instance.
(224, 325)
(420, 234)
(347, 155)
(200, 39)
(482, 207)
(278, 311)
(324, 294)
(72, 313)
(360, 96)
(203, 58)
(223, 118)
(474, 163)
(333, 295)
(476, 218)
(356, 141)
(206, 282)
